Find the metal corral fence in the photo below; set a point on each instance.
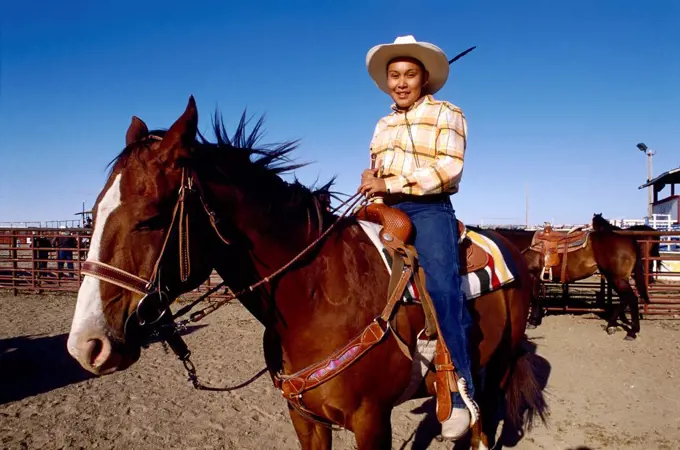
(664, 290)
(49, 260)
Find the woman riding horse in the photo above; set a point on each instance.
(419, 149)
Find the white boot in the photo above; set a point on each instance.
(457, 425)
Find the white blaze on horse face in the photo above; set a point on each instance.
(88, 319)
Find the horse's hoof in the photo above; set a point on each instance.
(611, 330)
(630, 337)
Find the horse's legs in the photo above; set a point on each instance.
(627, 297)
(616, 312)
(622, 315)
(634, 316)
(373, 428)
(312, 436)
(536, 316)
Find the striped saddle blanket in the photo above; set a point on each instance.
(498, 271)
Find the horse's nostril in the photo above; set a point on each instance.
(97, 352)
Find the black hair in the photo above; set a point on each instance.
(410, 58)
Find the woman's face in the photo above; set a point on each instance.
(405, 80)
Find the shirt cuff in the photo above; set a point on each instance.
(395, 185)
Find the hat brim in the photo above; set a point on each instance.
(432, 57)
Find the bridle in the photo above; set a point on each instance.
(153, 288)
(152, 316)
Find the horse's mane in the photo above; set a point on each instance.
(601, 223)
(242, 156)
(273, 157)
(261, 164)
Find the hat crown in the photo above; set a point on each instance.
(432, 57)
(409, 39)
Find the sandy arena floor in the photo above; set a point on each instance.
(604, 393)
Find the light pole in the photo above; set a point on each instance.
(650, 189)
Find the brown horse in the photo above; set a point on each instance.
(236, 215)
(599, 223)
(617, 257)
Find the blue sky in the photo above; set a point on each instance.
(556, 94)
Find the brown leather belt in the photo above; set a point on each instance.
(393, 199)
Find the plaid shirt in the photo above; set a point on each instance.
(438, 131)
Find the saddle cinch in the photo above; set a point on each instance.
(396, 235)
(555, 246)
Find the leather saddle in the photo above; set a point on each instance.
(396, 235)
(554, 247)
(395, 222)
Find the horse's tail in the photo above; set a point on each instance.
(639, 274)
(524, 398)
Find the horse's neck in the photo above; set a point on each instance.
(266, 238)
(276, 237)
(334, 290)
(333, 293)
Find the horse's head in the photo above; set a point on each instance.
(599, 223)
(148, 232)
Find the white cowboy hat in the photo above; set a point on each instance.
(433, 58)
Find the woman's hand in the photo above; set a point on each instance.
(368, 174)
(370, 184)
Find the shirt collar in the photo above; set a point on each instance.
(418, 102)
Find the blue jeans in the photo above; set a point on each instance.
(436, 241)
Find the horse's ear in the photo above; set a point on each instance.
(137, 130)
(181, 135)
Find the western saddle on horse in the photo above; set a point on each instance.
(555, 246)
(396, 223)
(396, 235)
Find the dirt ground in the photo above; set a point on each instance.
(604, 393)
